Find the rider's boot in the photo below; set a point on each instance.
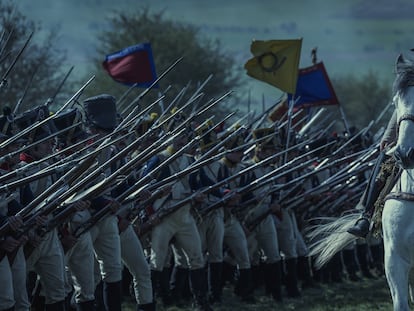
(362, 226)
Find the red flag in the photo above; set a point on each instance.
(132, 65)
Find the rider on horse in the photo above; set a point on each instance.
(376, 183)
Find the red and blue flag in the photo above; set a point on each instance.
(133, 65)
(314, 88)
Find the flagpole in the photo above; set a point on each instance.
(290, 110)
(344, 118)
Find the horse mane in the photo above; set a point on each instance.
(404, 68)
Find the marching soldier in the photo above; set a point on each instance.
(132, 253)
(178, 226)
(79, 256)
(13, 294)
(210, 224)
(264, 234)
(101, 118)
(234, 236)
(47, 258)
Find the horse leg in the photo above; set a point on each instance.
(397, 273)
(411, 285)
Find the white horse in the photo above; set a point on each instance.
(398, 212)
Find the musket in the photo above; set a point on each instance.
(61, 198)
(24, 148)
(304, 129)
(267, 178)
(252, 224)
(321, 188)
(161, 213)
(131, 193)
(140, 96)
(3, 81)
(201, 86)
(67, 179)
(330, 205)
(90, 173)
(50, 100)
(7, 40)
(366, 155)
(349, 141)
(71, 176)
(44, 121)
(206, 158)
(175, 100)
(56, 168)
(20, 172)
(122, 198)
(19, 102)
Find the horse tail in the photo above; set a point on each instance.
(329, 236)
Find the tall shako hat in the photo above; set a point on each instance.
(101, 112)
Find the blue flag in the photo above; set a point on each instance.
(314, 88)
(133, 65)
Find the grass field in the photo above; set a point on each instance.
(364, 295)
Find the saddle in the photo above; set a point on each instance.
(389, 174)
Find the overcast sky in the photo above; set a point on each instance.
(352, 36)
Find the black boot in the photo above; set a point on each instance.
(215, 272)
(273, 280)
(361, 228)
(179, 286)
(257, 276)
(57, 306)
(112, 295)
(99, 300)
(244, 287)
(86, 306)
(350, 264)
(377, 252)
(146, 307)
(304, 272)
(362, 255)
(367, 201)
(336, 268)
(292, 278)
(228, 273)
(199, 289)
(127, 284)
(160, 284)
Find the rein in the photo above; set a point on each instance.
(405, 117)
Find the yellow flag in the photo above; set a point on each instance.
(275, 62)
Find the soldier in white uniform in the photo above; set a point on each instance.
(101, 118)
(178, 226)
(265, 234)
(47, 258)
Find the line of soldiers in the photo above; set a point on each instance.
(179, 205)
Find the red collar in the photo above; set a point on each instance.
(26, 158)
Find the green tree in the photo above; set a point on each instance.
(39, 67)
(363, 98)
(169, 40)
